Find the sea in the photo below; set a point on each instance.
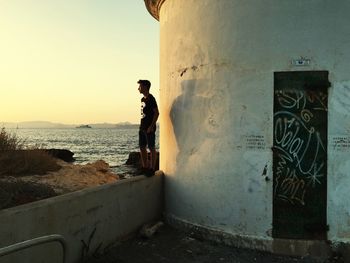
(112, 145)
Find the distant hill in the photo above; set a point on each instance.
(120, 125)
(53, 125)
(35, 124)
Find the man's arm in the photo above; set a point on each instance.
(154, 121)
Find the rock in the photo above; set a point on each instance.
(149, 230)
(62, 154)
(134, 159)
(101, 166)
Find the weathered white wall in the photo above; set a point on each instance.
(113, 211)
(217, 65)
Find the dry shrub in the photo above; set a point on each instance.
(27, 162)
(16, 161)
(17, 192)
(9, 142)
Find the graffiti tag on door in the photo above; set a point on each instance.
(299, 143)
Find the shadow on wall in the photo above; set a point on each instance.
(196, 115)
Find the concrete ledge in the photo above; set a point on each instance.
(219, 236)
(89, 219)
(320, 249)
(315, 248)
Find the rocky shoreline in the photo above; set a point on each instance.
(69, 178)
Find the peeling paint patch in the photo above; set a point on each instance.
(264, 171)
(193, 68)
(183, 72)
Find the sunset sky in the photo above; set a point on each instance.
(76, 61)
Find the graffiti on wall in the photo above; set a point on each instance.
(299, 144)
(300, 154)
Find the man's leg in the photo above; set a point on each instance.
(143, 150)
(143, 153)
(153, 159)
(151, 137)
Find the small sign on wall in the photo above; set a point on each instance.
(301, 62)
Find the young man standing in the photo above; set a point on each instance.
(149, 117)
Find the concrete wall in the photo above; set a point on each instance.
(218, 60)
(113, 211)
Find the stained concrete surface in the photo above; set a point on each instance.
(170, 245)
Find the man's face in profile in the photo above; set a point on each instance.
(141, 89)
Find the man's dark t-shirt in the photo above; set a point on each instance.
(147, 112)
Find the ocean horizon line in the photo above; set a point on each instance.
(55, 125)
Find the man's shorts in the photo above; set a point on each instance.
(147, 139)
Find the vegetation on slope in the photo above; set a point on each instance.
(16, 160)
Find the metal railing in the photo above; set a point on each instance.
(34, 242)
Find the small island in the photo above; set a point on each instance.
(84, 127)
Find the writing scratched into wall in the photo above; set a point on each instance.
(340, 143)
(255, 142)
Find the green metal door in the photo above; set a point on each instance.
(300, 154)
